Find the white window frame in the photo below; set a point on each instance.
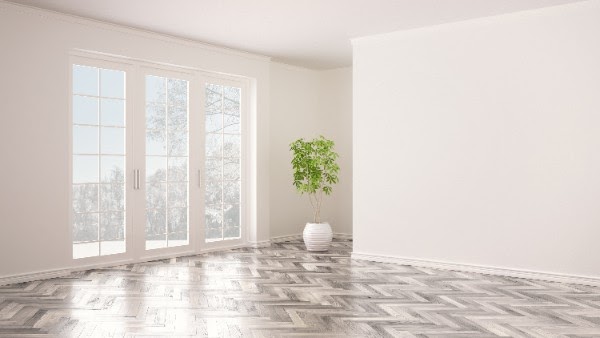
(105, 63)
(136, 70)
(140, 159)
(244, 84)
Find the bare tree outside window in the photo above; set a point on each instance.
(222, 162)
(166, 162)
(98, 193)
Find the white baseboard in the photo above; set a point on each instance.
(296, 237)
(279, 239)
(260, 244)
(57, 273)
(486, 270)
(340, 235)
(23, 278)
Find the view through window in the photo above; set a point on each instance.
(222, 162)
(166, 162)
(98, 185)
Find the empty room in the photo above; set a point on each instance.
(318, 168)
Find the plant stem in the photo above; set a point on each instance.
(313, 205)
(319, 199)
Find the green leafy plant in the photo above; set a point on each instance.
(315, 170)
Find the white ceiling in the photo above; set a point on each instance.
(309, 33)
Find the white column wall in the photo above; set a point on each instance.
(477, 142)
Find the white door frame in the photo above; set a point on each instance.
(135, 157)
(203, 79)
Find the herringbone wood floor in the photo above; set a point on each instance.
(285, 291)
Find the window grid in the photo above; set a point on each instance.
(98, 212)
(222, 158)
(168, 107)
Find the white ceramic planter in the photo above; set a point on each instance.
(317, 236)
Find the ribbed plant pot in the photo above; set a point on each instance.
(317, 236)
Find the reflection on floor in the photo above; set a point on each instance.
(285, 291)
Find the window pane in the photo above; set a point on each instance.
(112, 83)
(231, 226)
(214, 222)
(113, 140)
(85, 227)
(178, 195)
(156, 116)
(156, 195)
(112, 169)
(85, 168)
(86, 249)
(112, 112)
(178, 142)
(85, 140)
(112, 247)
(156, 229)
(178, 118)
(178, 92)
(155, 241)
(222, 161)
(156, 169)
(231, 168)
(178, 170)
(231, 192)
(112, 197)
(98, 190)
(214, 145)
(213, 122)
(214, 192)
(231, 145)
(178, 238)
(85, 198)
(231, 101)
(166, 160)
(232, 124)
(112, 233)
(85, 110)
(85, 80)
(178, 223)
(214, 96)
(156, 142)
(213, 169)
(112, 226)
(155, 89)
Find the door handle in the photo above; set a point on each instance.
(199, 179)
(136, 179)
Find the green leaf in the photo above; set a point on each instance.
(314, 165)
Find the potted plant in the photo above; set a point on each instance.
(315, 172)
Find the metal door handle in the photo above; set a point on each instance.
(136, 179)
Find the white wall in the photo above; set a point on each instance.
(307, 103)
(335, 102)
(478, 142)
(34, 205)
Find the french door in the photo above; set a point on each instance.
(100, 146)
(157, 161)
(224, 129)
(168, 193)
